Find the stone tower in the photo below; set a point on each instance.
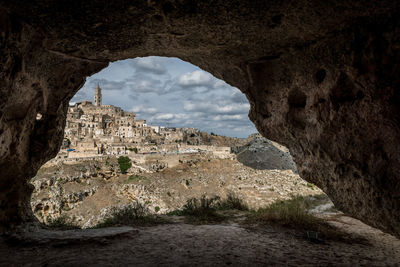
(97, 96)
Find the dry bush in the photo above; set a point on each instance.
(135, 214)
(232, 202)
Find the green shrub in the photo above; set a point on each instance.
(200, 211)
(124, 163)
(134, 149)
(135, 214)
(187, 182)
(156, 208)
(194, 206)
(205, 209)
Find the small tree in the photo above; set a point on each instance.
(124, 163)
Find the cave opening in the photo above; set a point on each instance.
(321, 78)
(182, 131)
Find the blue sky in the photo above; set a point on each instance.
(171, 92)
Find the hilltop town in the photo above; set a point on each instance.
(95, 130)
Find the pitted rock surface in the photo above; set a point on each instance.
(321, 78)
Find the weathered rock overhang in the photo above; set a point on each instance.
(321, 78)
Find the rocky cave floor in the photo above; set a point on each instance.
(181, 244)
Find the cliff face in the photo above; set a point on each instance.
(262, 154)
(321, 78)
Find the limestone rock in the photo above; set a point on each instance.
(261, 153)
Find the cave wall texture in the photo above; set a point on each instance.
(322, 78)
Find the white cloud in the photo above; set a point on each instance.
(150, 64)
(216, 107)
(143, 109)
(141, 83)
(170, 116)
(166, 116)
(238, 97)
(106, 84)
(241, 107)
(229, 117)
(195, 78)
(221, 84)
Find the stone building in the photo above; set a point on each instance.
(94, 128)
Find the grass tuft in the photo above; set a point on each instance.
(293, 214)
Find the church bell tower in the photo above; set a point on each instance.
(97, 96)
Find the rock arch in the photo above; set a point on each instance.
(321, 78)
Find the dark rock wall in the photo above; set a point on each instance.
(32, 81)
(321, 77)
(335, 104)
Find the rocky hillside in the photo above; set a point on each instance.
(263, 154)
(203, 138)
(254, 151)
(87, 191)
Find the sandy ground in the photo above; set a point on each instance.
(182, 244)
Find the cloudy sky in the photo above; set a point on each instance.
(171, 92)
